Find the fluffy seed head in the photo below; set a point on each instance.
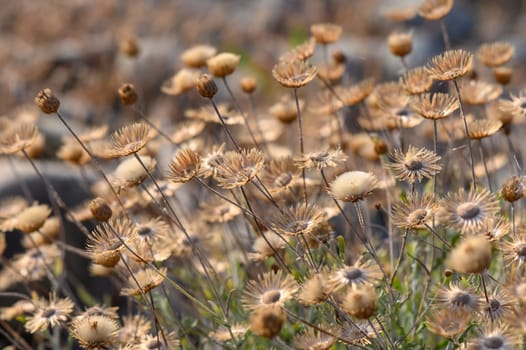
(360, 302)
(472, 255)
(268, 321)
(353, 186)
(223, 64)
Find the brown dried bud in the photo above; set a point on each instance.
(248, 85)
(206, 86)
(267, 321)
(127, 94)
(129, 47)
(100, 210)
(448, 272)
(47, 101)
(513, 189)
(380, 147)
(339, 57)
(502, 75)
(360, 302)
(400, 44)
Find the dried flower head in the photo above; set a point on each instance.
(415, 213)
(47, 101)
(358, 274)
(239, 168)
(223, 64)
(301, 219)
(301, 52)
(248, 84)
(457, 298)
(32, 218)
(478, 92)
(500, 306)
(267, 321)
(496, 336)
(447, 323)
(234, 332)
(17, 138)
(472, 255)
(433, 10)
(100, 209)
(481, 128)
(353, 186)
(127, 94)
(130, 172)
(470, 212)
(280, 174)
(49, 313)
(107, 241)
(314, 290)
(321, 160)
(356, 93)
(495, 54)
(325, 33)
(144, 280)
(128, 140)
(416, 81)
(313, 339)
(95, 331)
(414, 165)
(206, 86)
(196, 56)
(451, 64)
(514, 250)
(513, 189)
(185, 166)
(502, 75)
(515, 107)
(400, 44)
(266, 246)
(360, 302)
(294, 74)
(270, 289)
(182, 81)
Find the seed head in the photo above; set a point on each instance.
(472, 255)
(400, 44)
(502, 75)
(353, 186)
(196, 57)
(360, 302)
(326, 33)
(513, 189)
(450, 65)
(127, 94)
(223, 64)
(248, 85)
(47, 101)
(100, 209)
(206, 86)
(268, 321)
(433, 10)
(294, 74)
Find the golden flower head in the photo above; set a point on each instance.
(270, 289)
(280, 174)
(196, 56)
(356, 93)
(49, 313)
(516, 106)
(223, 64)
(108, 240)
(472, 255)
(435, 106)
(183, 81)
(414, 165)
(433, 10)
(95, 331)
(360, 302)
(495, 54)
(326, 33)
(481, 128)
(451, 64)
(400, 44)
(100, 209)
(285, 110)
(470, 212)
(47, 101)
(128, 140)
(248, 84)
(294, 74)
(185, 166)
(353, 186)
(416, 81)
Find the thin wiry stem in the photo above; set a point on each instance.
(481, 149)
(400, 256)
(300, 130)
(225, 127)
(466, 131)
(445, 35)
(514, 154)
(483, 281)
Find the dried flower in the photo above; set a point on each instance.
(433, 10)
(495, 54)
(280, 175)
(196, 56)
(32, 218)
(267, 321)
(416, 81)
(358, 274)
(100, 209)
(400, 44)
(472, 255)
(128, 140)
(144, 280)
(223, 64)
(313, 339)
(451, 64)
(414, 165)
(314, 290)
(52, 313)
(248, 84)
(360, 302)
(513, 189)
(301, 52)
(353, 186)
(455, 298)
(482, 128)
(496, 336)
(285, 110)
(206, 86)
(239, 168)
(501, 306)
(503, 75)
(127, 94)
(415, 213)
(478, 92)
(185, 166)
(130, 172)
(356, 93)
(95, 331)
(182, 81)
(294, 74)
(300, 219)
(470, 212)
(47, 101)
(325, 33)
(270, 289)
(17, 138)
(514, 251)
(320, 160)
(447, 323)
(516, 107)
